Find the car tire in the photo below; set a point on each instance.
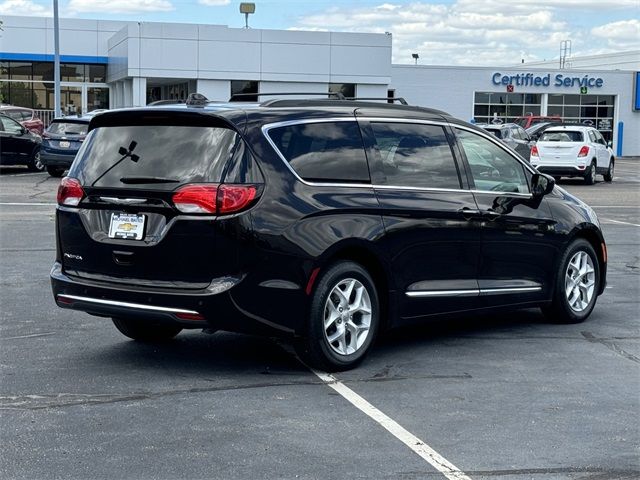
(35, 164)
(577, 284)
(145, 332)
(55, 171)
(608, 177)
(590, 174)
(343, 320)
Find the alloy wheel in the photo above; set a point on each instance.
(347, 316)
(580, 281)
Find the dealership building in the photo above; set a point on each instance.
(112, 64)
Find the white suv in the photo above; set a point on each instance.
(573, 151)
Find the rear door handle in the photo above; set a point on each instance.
(470, 213)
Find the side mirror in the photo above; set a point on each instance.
(541, 184)
(610, 144)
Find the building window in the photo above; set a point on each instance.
(506, 107)
(346, 89)
(97, 98)
(244, 87)
(593, 110)
(391, 94)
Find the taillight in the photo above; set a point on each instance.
(234, 198)
(70, 192)
(534, 151)
(214, 199)
(196, 198)
(584, 151)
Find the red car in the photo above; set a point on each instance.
(529, 120)
(25, 116)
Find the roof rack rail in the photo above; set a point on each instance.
(164, 102)
(237, 96)
(400, 100)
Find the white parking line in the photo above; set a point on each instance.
(24, 204)
(22, 174)
(605, 220)
(637, 207)
(436, 460)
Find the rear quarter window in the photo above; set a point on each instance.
(184, 154)
(323, 151)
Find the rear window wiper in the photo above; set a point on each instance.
(137, 180)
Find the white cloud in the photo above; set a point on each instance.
(472, 32)
(214, 3)
(23, 7)
(624, 34)
(119, 6)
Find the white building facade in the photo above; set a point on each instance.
(110, 64)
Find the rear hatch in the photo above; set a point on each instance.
(65, 136)
(560, 147)
(127, 227)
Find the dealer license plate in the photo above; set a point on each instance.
(127, 226)
(64, 144)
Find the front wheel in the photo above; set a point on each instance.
(35, 164)
(343, 320)
(145, 332)
(577, 284)
(608, 177)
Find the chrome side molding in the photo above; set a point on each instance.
(471, 292)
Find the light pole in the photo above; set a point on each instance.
(247, 9)
(56, 61)
(415, 57)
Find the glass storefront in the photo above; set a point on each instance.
(30, 84)
(505, 106)
(594, 110)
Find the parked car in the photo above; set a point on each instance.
(322, 221)
(513, 135)
(574, 151)
(19, 146)
(530, 120)
(25, 116)
(61, 141)
(538, 129)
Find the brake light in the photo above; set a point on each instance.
(534, 151)
(214, 199)
(70, 192)
(584, 151)
(197, 198)
(234, 198)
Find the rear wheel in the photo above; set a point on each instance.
(35, 164)
(145, 332)
(55, 171)
(343, 320)
(608, 177)
(590, 174)
(577, 284)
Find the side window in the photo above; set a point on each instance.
(492, 168)
(10, 126)
(599, 137)
(323, 151)
(516, 133)
(523, 134)
(592, 137)
(416, 155)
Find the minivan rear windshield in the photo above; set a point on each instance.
(185, 154)
(68, 128)
(564, 136)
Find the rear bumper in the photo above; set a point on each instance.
(56, 160)
(561, 170)
(214, 307)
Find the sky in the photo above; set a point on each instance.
(442, 32)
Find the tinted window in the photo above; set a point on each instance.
(10, 125)
(563, 136)
(187, 154)
(416, 155)
(68, 128)
(492, 168)
(323, 151)
(244, 87)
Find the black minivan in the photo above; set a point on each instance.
(324, 221)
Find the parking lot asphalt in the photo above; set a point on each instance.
(506, 396)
